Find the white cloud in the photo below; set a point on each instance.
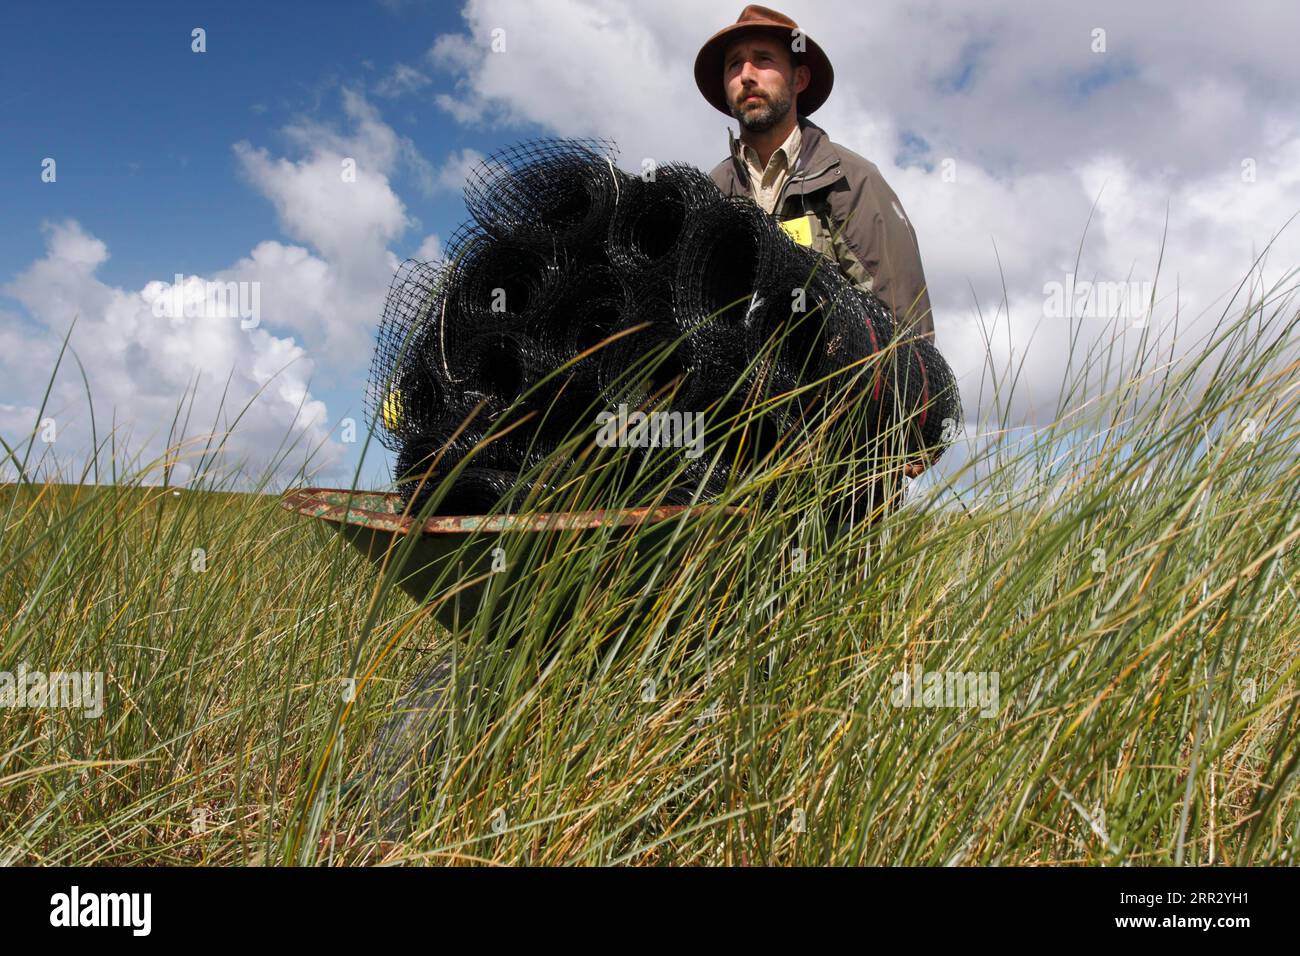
(140, 363)
(455, 171)
(402, 80)
(430, 249)
(338, 198)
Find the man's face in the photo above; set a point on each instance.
(761, 81)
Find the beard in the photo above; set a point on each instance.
(762, 118)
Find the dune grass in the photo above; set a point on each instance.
(1120, 582)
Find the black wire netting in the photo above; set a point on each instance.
(592, 308)
(497, 285)
(647, 225)
(580, 294)
(728, 250)
(927, 393)
(405, 393)
(547, 192)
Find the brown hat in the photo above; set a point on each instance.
(756, 19)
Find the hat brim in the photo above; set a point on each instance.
(708, 66)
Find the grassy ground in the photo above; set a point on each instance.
(1127, 576)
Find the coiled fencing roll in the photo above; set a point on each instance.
(578, 293)
(647, 225)
(547, 192)
(405, 393)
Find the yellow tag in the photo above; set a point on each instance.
(392, 409)
(800, 229)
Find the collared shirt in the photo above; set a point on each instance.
(767, 182)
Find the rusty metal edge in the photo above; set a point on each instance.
(307, 501)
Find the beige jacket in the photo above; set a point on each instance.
(838, 203)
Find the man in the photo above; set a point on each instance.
(769, 75)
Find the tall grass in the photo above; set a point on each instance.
(727, 693)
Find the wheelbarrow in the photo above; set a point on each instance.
(474, 559)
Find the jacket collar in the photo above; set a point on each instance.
(816, 156)
(738, 148)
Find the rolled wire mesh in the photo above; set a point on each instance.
(687, 290)
(647, 225)
(481, 490)
(474, 490)
(816, 316)
(568, 343)
(730, 421)
(727, 250)
(679, 476)
(926, 399)
(547, 192)
(540, 399)
(591, 307)
(417, 403)
(648, 358)
(402, 396)
(429, 454)
(646, 372)
(746, 433)
(503, 364)
(469, 436)
(560, 398)
(495, 286)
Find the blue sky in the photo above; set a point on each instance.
(138, 121)
(142, 129)
(1002, 128)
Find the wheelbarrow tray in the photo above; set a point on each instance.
(490, 552)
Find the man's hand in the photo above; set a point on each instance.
(914, 469)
